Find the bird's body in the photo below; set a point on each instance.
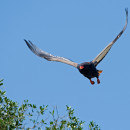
(88, 69)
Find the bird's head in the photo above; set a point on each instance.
(83, 66)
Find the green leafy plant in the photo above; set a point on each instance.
(29, 116)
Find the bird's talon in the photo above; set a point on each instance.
(92, 82)
(98, 81)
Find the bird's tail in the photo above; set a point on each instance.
(99, 72)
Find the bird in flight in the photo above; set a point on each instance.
(88, 69)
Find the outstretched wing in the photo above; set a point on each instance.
(104, 52)
(48, 56)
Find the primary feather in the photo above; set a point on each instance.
(104, 52)
(48, 56)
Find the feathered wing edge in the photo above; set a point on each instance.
(48, 56)
(104, 52)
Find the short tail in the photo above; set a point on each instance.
(99, 72)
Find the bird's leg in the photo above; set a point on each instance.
(92, 82)
(98, 81)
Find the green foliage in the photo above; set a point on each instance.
(29, 116)
(69, 122)
(93, 126)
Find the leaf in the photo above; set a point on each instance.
(51, 122)
(34, 106)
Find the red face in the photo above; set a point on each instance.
(81, 67)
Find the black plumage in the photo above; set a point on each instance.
(88, 69)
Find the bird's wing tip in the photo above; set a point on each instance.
(126, 10)
(25, 40)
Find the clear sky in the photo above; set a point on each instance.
(75, 29)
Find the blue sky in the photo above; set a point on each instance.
(77, 30)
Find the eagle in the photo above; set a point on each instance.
(88, 69)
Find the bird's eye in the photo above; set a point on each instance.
(81, 67)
